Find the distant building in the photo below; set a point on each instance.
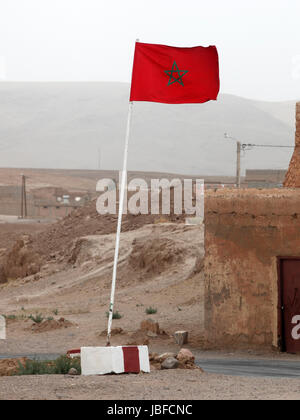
(58, 202)
(264, 178)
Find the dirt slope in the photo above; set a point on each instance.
(157, 268)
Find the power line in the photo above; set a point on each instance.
(244, 146)
(267, 145)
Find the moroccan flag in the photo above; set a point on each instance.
(174, 75)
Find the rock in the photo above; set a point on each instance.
(3, 252)
(73, 372)
(185, 356)
(162, 357)
(150, 325)
(50, 325)
(9, 367)
(152, 356)
(37, 277)
(170, 363)
(114, 331)
(151, 334)
(199, 264)
(26, 239)
(143, 342)
(181, 337)
(155, 366)
(33, 268)
(3, 278)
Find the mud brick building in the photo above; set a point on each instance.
(246, 234)
(292, 178)
(252, 265)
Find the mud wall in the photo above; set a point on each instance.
(292, 178)
(245, 232)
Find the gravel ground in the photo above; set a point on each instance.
(159, 385)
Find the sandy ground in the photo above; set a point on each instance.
(80, 292)
(42, 178)
(81, 179)
(12, 229)
(158, 385)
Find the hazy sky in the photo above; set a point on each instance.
(93, 40)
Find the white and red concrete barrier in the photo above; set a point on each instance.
(120, 359)
(73, 353)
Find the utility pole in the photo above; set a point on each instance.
(23, 198)
(238, 159)
(99, 158)
(244, 146)
(238, 164)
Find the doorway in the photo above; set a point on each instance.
(289, 304)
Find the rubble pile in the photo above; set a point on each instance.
(184, 359)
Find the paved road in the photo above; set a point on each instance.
(32, 356)
(235, 367)
(246, 367)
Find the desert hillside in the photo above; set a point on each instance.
(62, 274)
(82, 126)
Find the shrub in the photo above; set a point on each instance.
(63, 364)
(151, 310)
(10, 317)
(38, 318)
(60, 366)
(15, 317)
(34, 367)
(116, 315)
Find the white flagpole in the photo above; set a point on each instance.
(121, 204)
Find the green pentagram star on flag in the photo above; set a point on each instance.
(180, 73)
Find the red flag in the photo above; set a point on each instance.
(174, 75)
